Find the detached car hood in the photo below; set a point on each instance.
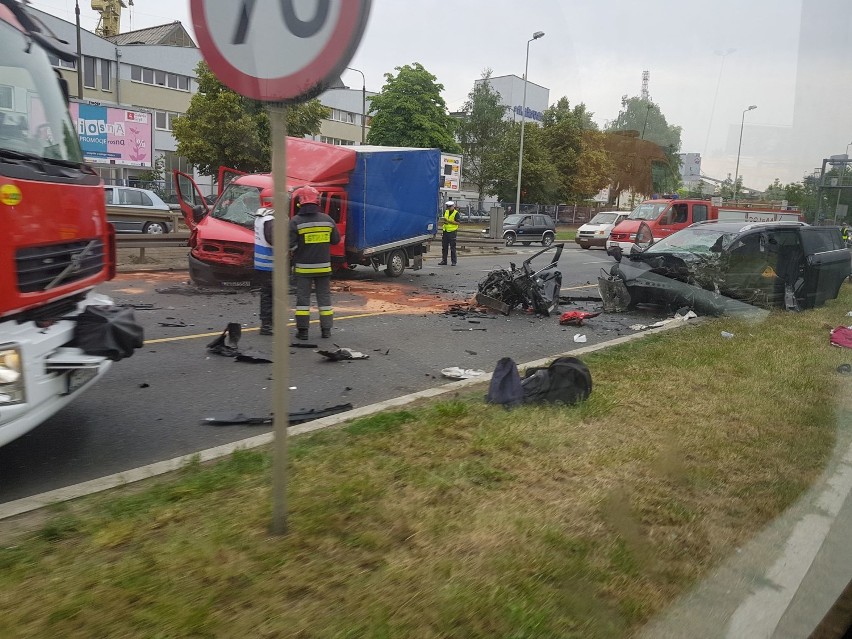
(211, 228)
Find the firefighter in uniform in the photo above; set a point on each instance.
(448, 237)
(312, 234)
(263, 265)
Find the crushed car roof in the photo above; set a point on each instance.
(739, 227)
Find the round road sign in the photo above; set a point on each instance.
(279, 50)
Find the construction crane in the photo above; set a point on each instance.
(110, 21)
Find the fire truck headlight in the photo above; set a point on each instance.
(11, 376)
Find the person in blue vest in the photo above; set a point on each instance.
(263, 265)
(312, 234)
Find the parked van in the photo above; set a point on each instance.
(596, 231)
(133, 210)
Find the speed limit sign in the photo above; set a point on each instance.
(279, 50)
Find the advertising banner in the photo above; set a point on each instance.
(112, 135)
(450, 172)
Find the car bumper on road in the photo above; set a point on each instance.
(590, 241)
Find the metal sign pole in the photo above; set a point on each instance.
(281, 289)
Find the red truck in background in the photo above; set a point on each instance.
(56, 244)
(666, 216)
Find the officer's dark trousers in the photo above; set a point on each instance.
(448, 241)
(264, 278)
(303, 301)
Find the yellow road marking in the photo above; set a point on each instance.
(574, 288)
(179, 338)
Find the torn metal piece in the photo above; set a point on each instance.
(302, 416)
(343, 354)
(293, 417)
(227, 344)
(303, 345)
(455, 372)
(575, 318)
(253, 357)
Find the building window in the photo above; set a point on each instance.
(106, 75)
(89, 72)
(339, 115)
(161, 120)
(172, 118)
(336, 141)
(7, 98)
(159, 78)
(62, 64)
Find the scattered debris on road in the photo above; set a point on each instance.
(575, 318)
(342, 354)
(502, 290)
(455, 372)
(293, 417)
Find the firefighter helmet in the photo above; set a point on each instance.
(307, 195)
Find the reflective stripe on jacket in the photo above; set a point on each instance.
(262, 248)
(311, 235)
(450, 224)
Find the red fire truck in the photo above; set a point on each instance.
(56, 244)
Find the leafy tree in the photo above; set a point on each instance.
(632, 161)
(563, 128)
(644, 119)
(154, 177)
(726, 188)
(540, 181)
(410, 111)
(595, 166)
(224, 128)
(480, 133)
(775, 191)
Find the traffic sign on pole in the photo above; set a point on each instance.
(279, 50)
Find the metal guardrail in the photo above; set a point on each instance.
(142, 241)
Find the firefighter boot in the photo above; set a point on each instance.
(302, 334)
(326, 332)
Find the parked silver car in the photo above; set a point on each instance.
(133, 210)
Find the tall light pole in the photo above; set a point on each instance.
(739, 148)
(79, 54)
(724, 55)
(536, 36)
(363, 105)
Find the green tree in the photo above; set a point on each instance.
(540, 181)
(480, 133)
(775, 191)
(595, 167)
(644, 119)
(563, 129)
(224, 128)
(410, 111)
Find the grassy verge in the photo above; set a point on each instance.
(566, 236)
(454, 519)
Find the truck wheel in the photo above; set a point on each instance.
(585, 246)
(547, 240)
(510, 239)
(154, 228)
(395, 264)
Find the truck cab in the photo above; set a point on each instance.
(663, 217)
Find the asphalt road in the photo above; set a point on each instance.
(149, 408)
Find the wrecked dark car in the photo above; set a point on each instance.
(726, 267)
(538, 290)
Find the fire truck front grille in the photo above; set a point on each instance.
(40, 268)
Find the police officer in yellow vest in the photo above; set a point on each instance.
(312, 233)
(448, 238)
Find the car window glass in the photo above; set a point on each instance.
(680, 213)
(144, 199)
(238, 204)
(699, 212)
(817, 240)
(335, 207)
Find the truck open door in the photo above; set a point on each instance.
(226, 176)
(192, 203)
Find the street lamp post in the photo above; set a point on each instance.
(536, 36)
(79, 54)
(739, 149)
(363, 105)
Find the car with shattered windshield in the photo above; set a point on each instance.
(724, 267)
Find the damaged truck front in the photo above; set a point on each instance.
(725, 267)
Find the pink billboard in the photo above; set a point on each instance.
(112, 135)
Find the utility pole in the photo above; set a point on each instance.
(79, 54)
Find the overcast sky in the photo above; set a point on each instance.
(594, 52)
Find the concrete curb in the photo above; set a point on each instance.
(35, 502)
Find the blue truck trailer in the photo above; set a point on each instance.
(384, 200)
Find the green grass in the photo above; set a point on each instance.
(456, 519)
(566, 236)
